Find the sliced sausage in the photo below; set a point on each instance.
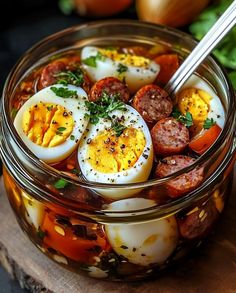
(183, 183)
(169, 137)
(48, 75)
(110, 85)
(198, 222)
(153, 103)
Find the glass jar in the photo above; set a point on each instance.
(129, 239)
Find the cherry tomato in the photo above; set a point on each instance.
(72, 241)
(169, 63)
(205, 139)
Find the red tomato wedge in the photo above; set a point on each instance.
(65, 240)
(169, 63)
(205, 139)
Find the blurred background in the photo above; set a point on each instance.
(25, 22)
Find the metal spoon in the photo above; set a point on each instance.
(204, 47)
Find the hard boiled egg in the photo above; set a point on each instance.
(52, 121)
(199, 98)
(107, 157)
(136, 71)
(35, 210)
(142, 243)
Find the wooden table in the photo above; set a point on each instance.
(211, 270)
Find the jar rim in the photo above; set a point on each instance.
(230, 117)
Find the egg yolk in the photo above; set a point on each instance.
(109, 154)
(195, 101)
(126, 59)
(47, 125)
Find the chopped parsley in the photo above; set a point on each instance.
(121, 68)
(118, 128)
(186, 119)
(49, 108)
(68, 77)
(63, 92)
(60, 130)
(92, 60)
(72, 137)
(103, 107)
(61, 183)
(40, 233)
(208, 123)
(13, 113)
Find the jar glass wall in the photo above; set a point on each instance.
(74, 225)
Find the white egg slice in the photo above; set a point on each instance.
(142, 243)
(216, 112)
(138, 72)
(34, 210)
(120, 160)
(47, 126)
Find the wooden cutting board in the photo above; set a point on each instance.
(212, 269)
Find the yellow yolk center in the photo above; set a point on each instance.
(195, 101)
(126, 59)
(110, 154)
(47, 125)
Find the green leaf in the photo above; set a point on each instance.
(104, 106)
(92, 60)
(41, 234)
(63, 92)
(208, 123)
(68, 77)
(121, 68)
(72, 137)
(66, 6)
(118, 128)
(13, 113)
(232, 76)
(226, 50)
(61, 183)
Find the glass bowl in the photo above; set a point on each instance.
(71, 223)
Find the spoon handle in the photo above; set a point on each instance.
(204, 47)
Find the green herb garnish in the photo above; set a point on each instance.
(121, 68)
(49, 108)
(61, 183)
(40, 233)
(72, 137)
(60, 130)
(118, 128)
(69, 77)
(225, 52)
(13, 113)
(63, 92)
(102, 108)
(186, 119)
(92, 60)
(208, 123)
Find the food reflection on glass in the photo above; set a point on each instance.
(101, 114)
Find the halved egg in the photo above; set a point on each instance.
(142, 243)
(136, 71)
(199, 98)
(52, 121)
(107, 157)
(35, 210)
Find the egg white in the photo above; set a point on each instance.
(138, 172)
(142, 243)
(135, 77)
(78, 109)
(216, 108)
(35, 210)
